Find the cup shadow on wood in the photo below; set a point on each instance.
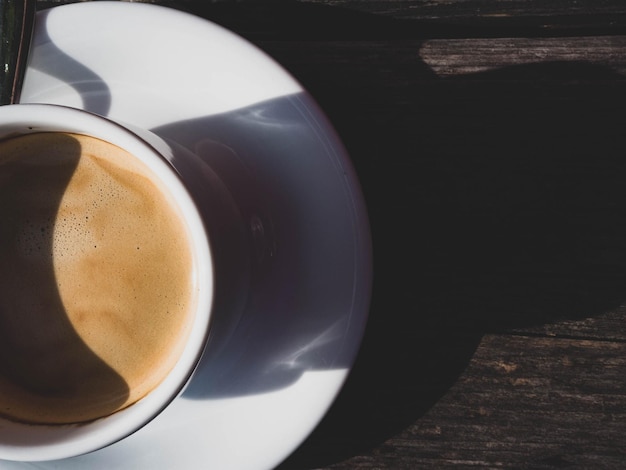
(497, 204)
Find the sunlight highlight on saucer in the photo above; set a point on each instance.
(100, 58)
(328, 336)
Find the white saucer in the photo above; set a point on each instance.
(253, 401)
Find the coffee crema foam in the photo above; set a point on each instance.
(96, 279)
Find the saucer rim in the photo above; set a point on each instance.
(362, 232)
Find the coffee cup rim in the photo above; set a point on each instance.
(38, 442)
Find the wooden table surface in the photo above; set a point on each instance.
(490, 142)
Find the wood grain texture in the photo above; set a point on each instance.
(522, 402)
(448, 57)
(284, 20)
(489, 140)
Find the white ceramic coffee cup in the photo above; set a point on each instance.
(34, 442)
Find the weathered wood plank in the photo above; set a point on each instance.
(423, 59)
(470, 56)
(474, 8)
(609, 326)
(432, 8)
(523, 402)
(350, 19)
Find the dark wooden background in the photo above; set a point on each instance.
(489, 138)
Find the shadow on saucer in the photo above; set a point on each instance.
(304, 307)
(51, 60)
